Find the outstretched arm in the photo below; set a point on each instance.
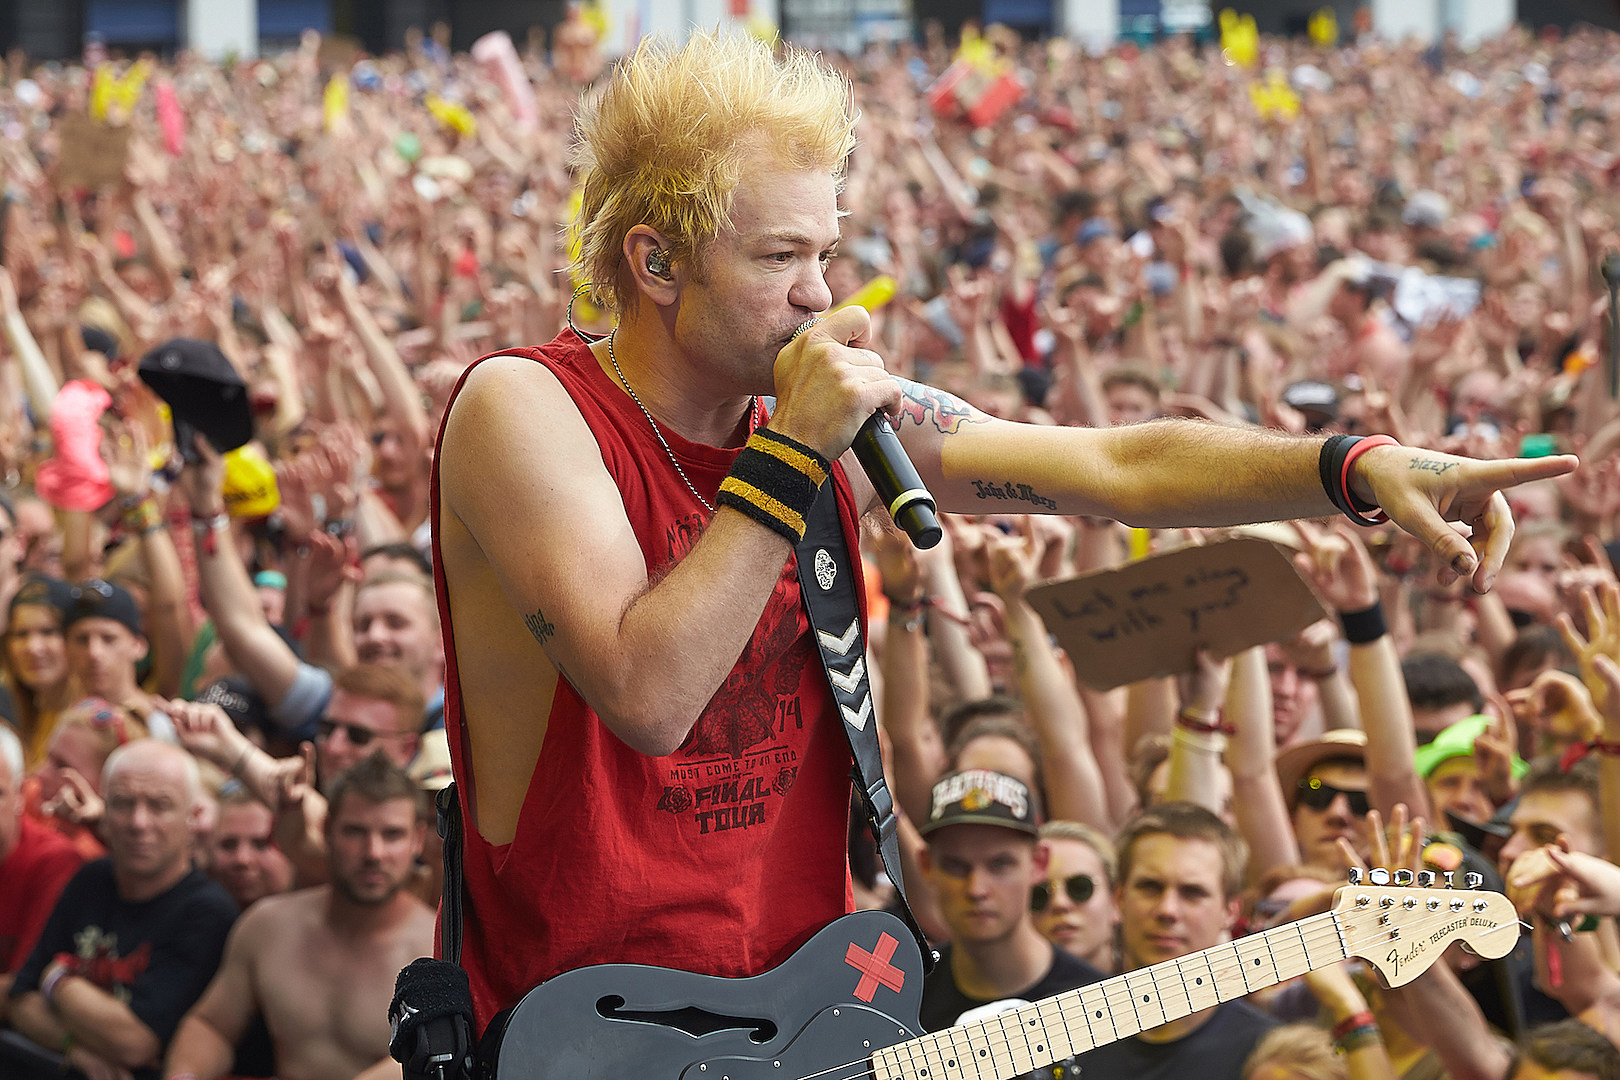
(1181, 473)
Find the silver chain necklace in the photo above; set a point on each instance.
(753, 406)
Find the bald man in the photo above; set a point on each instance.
(136, 936)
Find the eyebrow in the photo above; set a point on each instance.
(795, 239)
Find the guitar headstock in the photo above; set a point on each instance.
(1400, 923)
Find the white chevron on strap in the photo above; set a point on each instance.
(848, 683)
(840, 645)
(857, 720)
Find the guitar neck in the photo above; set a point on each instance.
(1014, 1042)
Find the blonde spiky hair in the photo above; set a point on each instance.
(664, 141)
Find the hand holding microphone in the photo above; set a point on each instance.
(878, 449)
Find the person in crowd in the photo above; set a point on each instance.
(1179, 891)
(1074, 907)
(35, 864)
(319, 964)
(243, 855)
(984, 860)
(135, 937)
(34, 661)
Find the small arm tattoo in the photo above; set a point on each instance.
(542, 629)
(949, 411)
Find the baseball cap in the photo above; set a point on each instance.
(1457, 741)
(202, 389)
(1313, 396)
(1426, 209)
(37, 590)
(240, 701)
(1093, 229)
(982, 797)
(101, 599)
(1296, 762)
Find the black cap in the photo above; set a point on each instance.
(37, 590)
(203, 391)
(240, 701)
(99, 599)
(982, 797)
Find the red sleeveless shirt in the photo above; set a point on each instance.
(720, 858)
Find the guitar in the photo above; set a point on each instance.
(845, 1005)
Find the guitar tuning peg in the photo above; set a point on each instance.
(1425, 879)
(1449, 877)
(1473, 879)
(1355, 875)
(1378, 875)
(1403, 877)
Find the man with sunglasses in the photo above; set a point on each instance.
(1324, 784)
(983, 860)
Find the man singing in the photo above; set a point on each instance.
(649, 764)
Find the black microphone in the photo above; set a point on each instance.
(878, 450)
(431, 1021)
(886, 464)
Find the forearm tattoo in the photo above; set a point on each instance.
(947, 411)
(1007, 491)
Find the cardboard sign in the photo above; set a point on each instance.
(93, 155)
(1146, 619)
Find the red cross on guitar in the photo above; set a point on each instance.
(875, 968)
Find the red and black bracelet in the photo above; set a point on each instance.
(1339, 453)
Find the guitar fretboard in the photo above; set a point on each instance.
(1014, 1042)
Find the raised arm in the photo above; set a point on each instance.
(228, 595)
(1074, 784)
(1257, 797)
(1344, 575)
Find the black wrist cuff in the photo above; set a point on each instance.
(775, 481)
(1363, 627)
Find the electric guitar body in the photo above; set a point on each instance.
(845, 1005)
(853, 988)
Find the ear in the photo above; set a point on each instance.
(639, 245)
(1043, 857)
(925, 859)
(146, 647)
(1234, 908)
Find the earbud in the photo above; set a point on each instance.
(658, 262)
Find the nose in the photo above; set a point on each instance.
(374, 846)
(1339, 808)
(810, 291)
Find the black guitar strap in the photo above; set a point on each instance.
(827, 582)
(449, 822)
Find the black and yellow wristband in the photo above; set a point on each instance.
(774, 481)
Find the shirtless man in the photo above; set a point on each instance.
(320, 963)
(618, 622)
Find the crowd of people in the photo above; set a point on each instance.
(223, 674)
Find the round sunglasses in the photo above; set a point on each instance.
(1079, 888)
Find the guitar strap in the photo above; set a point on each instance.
(827, 583)
(449, 823)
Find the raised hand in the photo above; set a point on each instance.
(75, 801)
(1337, 564)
